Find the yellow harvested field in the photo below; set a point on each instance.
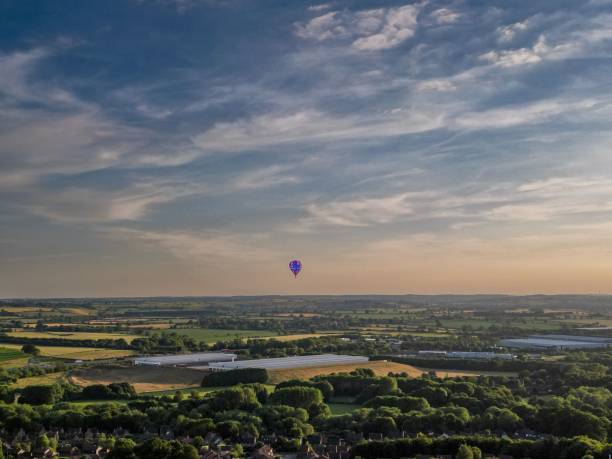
(380, 368)
(15, 363)
(45, 380)
(77, 353)
(71, 335)
(144, 379)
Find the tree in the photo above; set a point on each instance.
(41, 395)
(42, 441)
(237, 450)
(298, 396)
(229, 429)
(124, 449)
(464, 452)
(30, 349)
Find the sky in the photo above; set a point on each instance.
(195, 147)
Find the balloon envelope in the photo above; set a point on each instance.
(295, 266)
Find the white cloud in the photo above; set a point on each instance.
(522, 56)
(445, 16)
(198, 247)
(362, 212)
(311, 126)
(436, 85)
(554, 45)
(399, 24)
(370, 30)
(536, 112)
(321, 28)
(507, 33)
(320, 7)
(265, 177)
(78, 204)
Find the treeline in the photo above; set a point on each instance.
(55, 393)
(478, 408)
(549, 448)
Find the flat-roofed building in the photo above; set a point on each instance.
(299, 361)
(556, 342)
(185, 359)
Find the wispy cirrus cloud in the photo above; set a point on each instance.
(311, 126)
(199, 247)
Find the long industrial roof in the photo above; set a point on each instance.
(185, 358)
(291, 362)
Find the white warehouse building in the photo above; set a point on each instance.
(185, 359)
(298, 361)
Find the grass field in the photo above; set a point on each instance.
(212, 335)
(45, 380)
(342, 408)
(71, 335)
(12, 358)
(144, 379)
(76, 353)
(7, 353)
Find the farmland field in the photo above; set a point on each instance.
(12, 358)
(144, 379)
(7, 353)
(47, 379)
(76, 353)
(212, 335)
(380, 368)
(71, 335)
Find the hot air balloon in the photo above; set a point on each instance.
(295, 266)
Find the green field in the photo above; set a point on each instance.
(212, 335)
(342, 408)
(10, 354)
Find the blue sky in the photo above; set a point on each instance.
(152, 147)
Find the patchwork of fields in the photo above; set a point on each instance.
(212, 335)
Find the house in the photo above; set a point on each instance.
(263, 452)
